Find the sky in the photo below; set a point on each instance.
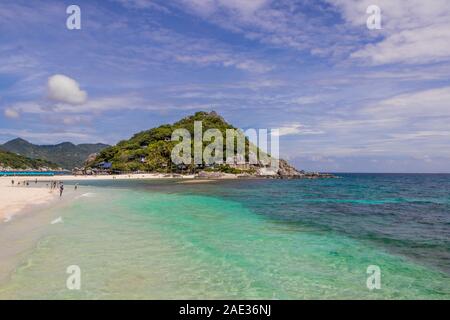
(345, 98)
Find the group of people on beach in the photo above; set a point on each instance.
(57, 185)
(24, 183)
(54, 185)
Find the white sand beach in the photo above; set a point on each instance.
(14, 199)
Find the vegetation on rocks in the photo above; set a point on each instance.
(150, 150)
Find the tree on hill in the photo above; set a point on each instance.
(67, 155)
(150, 150)
(14, 161)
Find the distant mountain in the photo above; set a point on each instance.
(66, 154)
(14, 161)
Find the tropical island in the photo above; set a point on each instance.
(150, 151)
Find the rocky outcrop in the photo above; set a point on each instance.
(286, 170)
(210, 175)
(90, 158)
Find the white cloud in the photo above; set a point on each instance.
(143, 4)
(404, 125)
(225, 60)
(50, 137)
(274, 23)
(307, 99)
(15, 63)
(101, 105)
(170, 45)
(11, 113)
(243, 7)
(425, 103)
(415, 46)
(64, 89)
(413, 31)
(24, 107)
(297, 129)
(396, 15)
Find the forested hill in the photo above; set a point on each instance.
(150, 150)
(9, 160)
(67, 155)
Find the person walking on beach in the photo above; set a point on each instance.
(61, 190)
(12, 182)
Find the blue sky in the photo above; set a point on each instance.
(345, 98)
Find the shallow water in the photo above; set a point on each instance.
(244, 240)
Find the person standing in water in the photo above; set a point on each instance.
(76, 186)
(61, 190)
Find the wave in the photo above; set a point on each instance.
(87, 195)
(57, 220)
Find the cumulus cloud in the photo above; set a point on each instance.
(64, 89)
(11, 113)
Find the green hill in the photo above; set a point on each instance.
(67, 155)
(14, 161)
(155, 147)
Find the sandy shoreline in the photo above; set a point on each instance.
(15, 198)
(114, 177)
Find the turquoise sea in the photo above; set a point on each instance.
(246, 239)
